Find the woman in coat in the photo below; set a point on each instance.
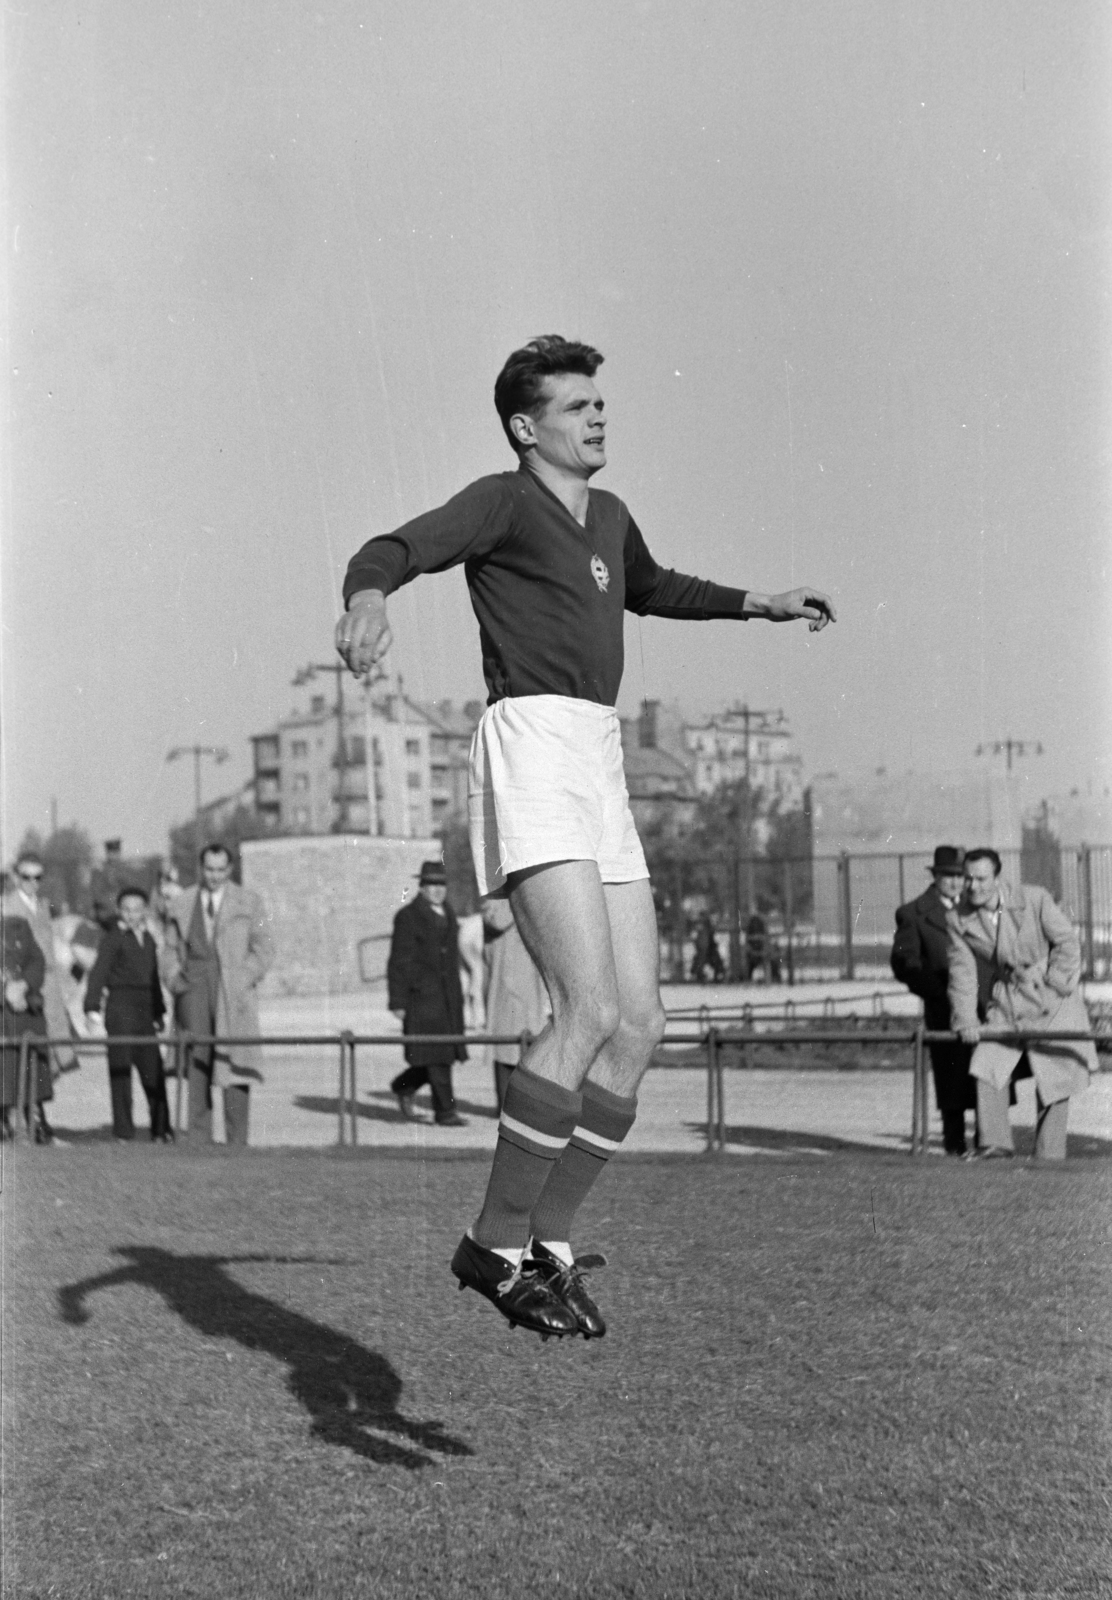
(422, 977)
(1037, 961)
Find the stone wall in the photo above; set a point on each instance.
(326, 894)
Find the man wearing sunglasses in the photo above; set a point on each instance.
(26, 901)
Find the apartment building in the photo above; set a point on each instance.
(381, 764)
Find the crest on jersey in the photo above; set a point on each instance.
(600, 572)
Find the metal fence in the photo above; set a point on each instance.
(711, 1041)
(834, 916)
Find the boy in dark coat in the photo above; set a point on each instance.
(422, 976)
(24, 972)
(127, 967)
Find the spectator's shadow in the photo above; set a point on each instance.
(370, 1111)
(785, 1141)
(352, 1394)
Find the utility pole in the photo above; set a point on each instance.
(198, 752)
(306, 675)
(1010, 747)
(748, 715)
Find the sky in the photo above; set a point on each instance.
(847, 261)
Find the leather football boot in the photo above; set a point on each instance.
(567, 1283)
(520, 1293)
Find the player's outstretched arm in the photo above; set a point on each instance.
(806, 604)
(363, 632)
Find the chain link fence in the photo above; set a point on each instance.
(813, 918)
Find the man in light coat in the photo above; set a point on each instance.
(1037, 960)
(26, 901)
(218, 947)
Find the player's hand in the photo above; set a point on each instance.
(363, 633)
(970, 1035)
(809, 605)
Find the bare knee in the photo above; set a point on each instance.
(641, 1032)
(593, 1019)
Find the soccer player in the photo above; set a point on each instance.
(551, 565)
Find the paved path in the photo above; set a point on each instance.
(767, 1112)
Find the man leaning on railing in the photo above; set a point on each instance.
(1037, 960)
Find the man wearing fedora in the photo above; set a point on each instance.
(422, 977)
(921, 959)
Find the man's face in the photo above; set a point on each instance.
(949, 884)
(435, 893)
(980, 882)
(29, 876)
(133, 912)
(215, 870)
(570, 429)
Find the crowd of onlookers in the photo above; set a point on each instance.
(190, 958)
(984, 957)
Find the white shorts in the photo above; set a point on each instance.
(546, 783)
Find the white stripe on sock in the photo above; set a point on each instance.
(515, 1126)
(596, 1139)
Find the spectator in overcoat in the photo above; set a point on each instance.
(26, 901)
(23, 973)
(921, 959)
(218, 948)
(516, 998)
(1036, 959)
(422, 976)
(126, 970)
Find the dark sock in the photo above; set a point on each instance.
(537, 1119)
(604, 1122)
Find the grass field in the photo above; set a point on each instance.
(851, 1375)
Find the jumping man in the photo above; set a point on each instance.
(551, 565)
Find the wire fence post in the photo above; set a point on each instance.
(720, 1075)
(789, 921)
(342, 1042)
(1087, 900)
(712, 1086)
(22, 1086)
(179, 1074)
(347, 1044)
(916, 1098)
(847, 912)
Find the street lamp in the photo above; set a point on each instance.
(1010, 747)
(216, 753)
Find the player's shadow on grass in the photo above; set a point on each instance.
(352, 1394)
(369, 1111)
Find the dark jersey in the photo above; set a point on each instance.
(548, 594)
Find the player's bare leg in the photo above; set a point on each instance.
(572, 1101)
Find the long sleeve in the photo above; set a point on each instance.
(1063, 971)
(653, 590)
(400, 961)
(907, 951)
(98, 977)
(962, 983)
(472, 523)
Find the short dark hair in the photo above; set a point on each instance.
(983, 853)
(133, 893)
(214, 848)
(518, 386)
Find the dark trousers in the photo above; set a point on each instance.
(439, 1080)
(147, 1061)
(236, 1104)
(954, 1090)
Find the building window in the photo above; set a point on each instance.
(413, 747)
(301, 816)
(413, 780)
(299, 747)
(357, 751)
(316, 705)
(300, 782)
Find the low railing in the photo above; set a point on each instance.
(711, 1038)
